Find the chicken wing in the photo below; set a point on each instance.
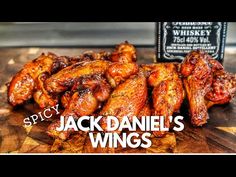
(90, 56)
(41, 96)
(68, 76)
(146, 110)
(65, 98)
(123, 65)
(119, 72)
(97, 84)
(126, 100)
(83, 99)
(82, 103)
(22, 85)
(168, 93)
(223, 88)
(197, 73)
(124, 53)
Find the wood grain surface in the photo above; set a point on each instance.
(218, 136)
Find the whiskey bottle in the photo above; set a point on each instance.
(175, 39)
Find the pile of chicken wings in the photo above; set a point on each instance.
(114, 84)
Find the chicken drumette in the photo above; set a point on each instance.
(223, 86)
(206, 84)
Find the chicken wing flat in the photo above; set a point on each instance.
(126, 100)
(68, 76)
(22, 85)
(168, 92)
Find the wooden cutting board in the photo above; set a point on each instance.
(218, 136)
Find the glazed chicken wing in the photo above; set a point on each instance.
(97, 84)
(124, 53)
(126, 100)
(123, 56)
(168, 93)
(119, 72)
(146, 110)
(22, 85)
(83, 100)
(41, 96)
(223, 88)
(198, 77)
(123, 65)
(65, 98)
(82, 103)
(91, 56)
(68, 76)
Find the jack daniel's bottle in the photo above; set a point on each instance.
(175, 39)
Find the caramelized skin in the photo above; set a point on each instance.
(62, 62)
(206, 84)
(223, 88)
(65, 98)
(86, 90)
(119, 72)
(97, 84)
(21, 88)
(124, 53)
(41, 96)
(166, 81)
(167, 98)
(84, 99)
(82, 103)
(22, 85)
(91, 56)
(102, 91)
(197, 73)
(146, 110)
(168, 93)
(126, 100)
(68, 76)
(123, 65)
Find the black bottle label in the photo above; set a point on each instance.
(176, 39)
